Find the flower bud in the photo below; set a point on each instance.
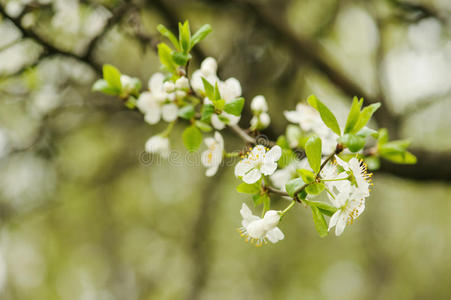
(159, 145)
(168, 86)
(209, 66)
(182, 83)
(259, 104)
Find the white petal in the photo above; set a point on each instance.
(230, 89)
(217, 124)
(156, 82)
(334, 219)
(273, 154)
(268, 168)
(258, 103)
(153, 116)
(169, 112)
(219, 140)
(211, 171)
(275, 235)
(209, 142)
(342, 163)
(209, 66)
(243, 167)
(341, 224)
(145, 102)
(196, 81)
(252, 176)
(292, 116)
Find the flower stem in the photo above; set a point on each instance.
(287, 208)
(168, 129)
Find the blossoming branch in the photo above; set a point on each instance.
(336, 159)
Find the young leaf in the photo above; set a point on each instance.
(217, 95)
(167, 33)
(181, 58)
(293, 185)
(404, 157)
(209, 89)
(234, 107)
(112, 76)
(324, 208)
(282, 142)
(102, 86)
(187, 112)
(192, 138)
(184, 36)
(287, 157)
(203, 126)
(164, 53)
(248, 188)
(352, 142)
(315, 188)
(313, 152)
(383, 136)
(306, 175)
(207, 111)
(326, 115)
(200, 35)
(365, 116)
(320, 223)
(353, 115)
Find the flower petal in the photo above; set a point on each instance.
(252, 176)
(217, 124)
(334, 219)
(243, 167)
(156, 82)
(275, 235)
(153, 116)
(169, 112)
(274, 154)
(341, 224)
(211, 171)
(268, 168)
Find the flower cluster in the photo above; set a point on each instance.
(315, 156)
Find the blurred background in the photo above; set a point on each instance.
(83, 215)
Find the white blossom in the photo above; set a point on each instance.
(157, 103)
(182, 83)
(258, 161)
(261, 121)
(310, 120)
(212, 157)
(359, 175)
(158, 145)
(260, 230)
(349, 206)
(258, 104)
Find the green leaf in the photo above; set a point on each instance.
(282, 142)
(102, 86)
(326, 115)
(200, 35)
(187, 112)
(353, 142)
(192, 138)
(353, 115)
(324, 208)
(181, 58)
(315, 188)
(373, 162)
(404, 157)
(383, 136)
(313, 152)
(203, 126)
(320, 222)
(112, 76)
(165, 55)
(365, 116)
(248, 188)
(262, 199)
(223, 119)
(209, 89)
(184, 36)
(235, 106)
(131, 102)
(365, 132)
(293, 185)
(167, 33)
(306, 175)
(217, 95)
(207, 111)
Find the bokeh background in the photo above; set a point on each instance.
(84, 215)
